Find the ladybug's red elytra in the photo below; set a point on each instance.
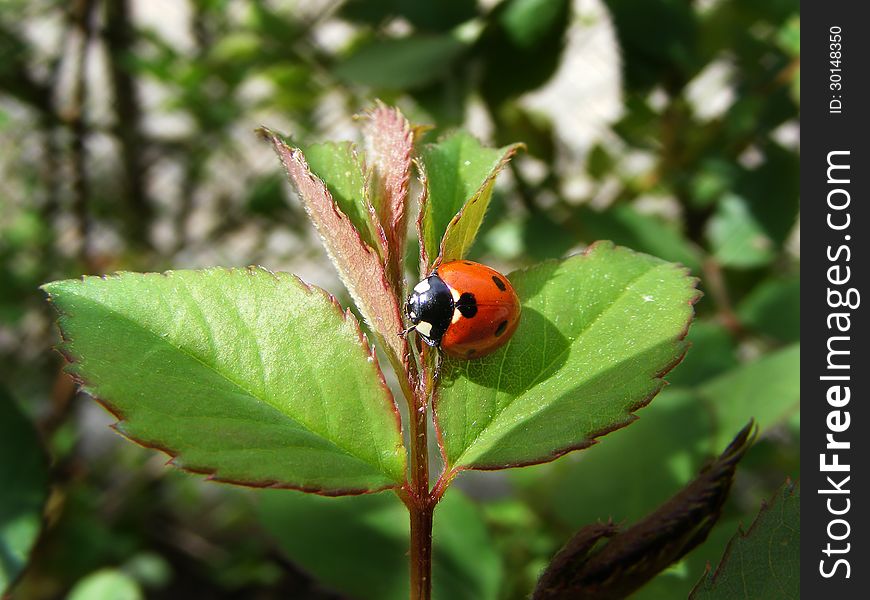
(464, 308)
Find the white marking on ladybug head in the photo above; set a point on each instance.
(421, 287)
(424, 328)
(455, 295)
(456, 316)
(412, 314)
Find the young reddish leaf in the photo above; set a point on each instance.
(358, 264)
(597, 333)
(765, 559)
(459, 170)
(252, 377)
(389, 144)
(341, 168)
(586, 569)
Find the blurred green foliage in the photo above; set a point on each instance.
(666, 126)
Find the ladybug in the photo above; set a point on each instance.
(464, 308)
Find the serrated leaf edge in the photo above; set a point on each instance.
(591, 440)
(391, 341)
(212, 474)
(786, 491)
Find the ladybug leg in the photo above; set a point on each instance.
(404, 333)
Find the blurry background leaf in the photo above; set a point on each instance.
(624, 225)
(766, 390)
(736, 238)
(24, 481)
(774, 308)
(424, 15)
(650, 51)
(527, 21)
(106, 584)
(401, 63)
(712, 351)
(359, 545)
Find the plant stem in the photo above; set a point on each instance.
(420, 503)
(421, 551)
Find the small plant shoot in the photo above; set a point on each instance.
(256, 378)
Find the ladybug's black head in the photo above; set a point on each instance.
(430, 309)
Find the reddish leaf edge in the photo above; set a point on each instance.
(785, 491)
(451, 471)
(211, 474)
(387, 131)
(399, 203)
(388, 339)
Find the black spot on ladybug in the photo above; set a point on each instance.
(471, 352)
(499, 283)
(467, 305)
(500, 329)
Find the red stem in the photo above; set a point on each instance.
(421, 552)
(417, 497)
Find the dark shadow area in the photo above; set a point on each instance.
(535, 351)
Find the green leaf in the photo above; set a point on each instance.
(766, 390)
(772, 192)
(341, 169)
(526, 22)
(774, 308)
(359, 545)
(106, 584)
(624, 225)
(358, 264)
(250, 376)
(789, 36)
(738, 240)
(673, 433)
(24, 485)
(763, 562)
(400, 64)
(648, 53)
(596, 334)
(713, 351)
(425, 16)
(460, 174)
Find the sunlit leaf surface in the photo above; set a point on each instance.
(250, 376)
